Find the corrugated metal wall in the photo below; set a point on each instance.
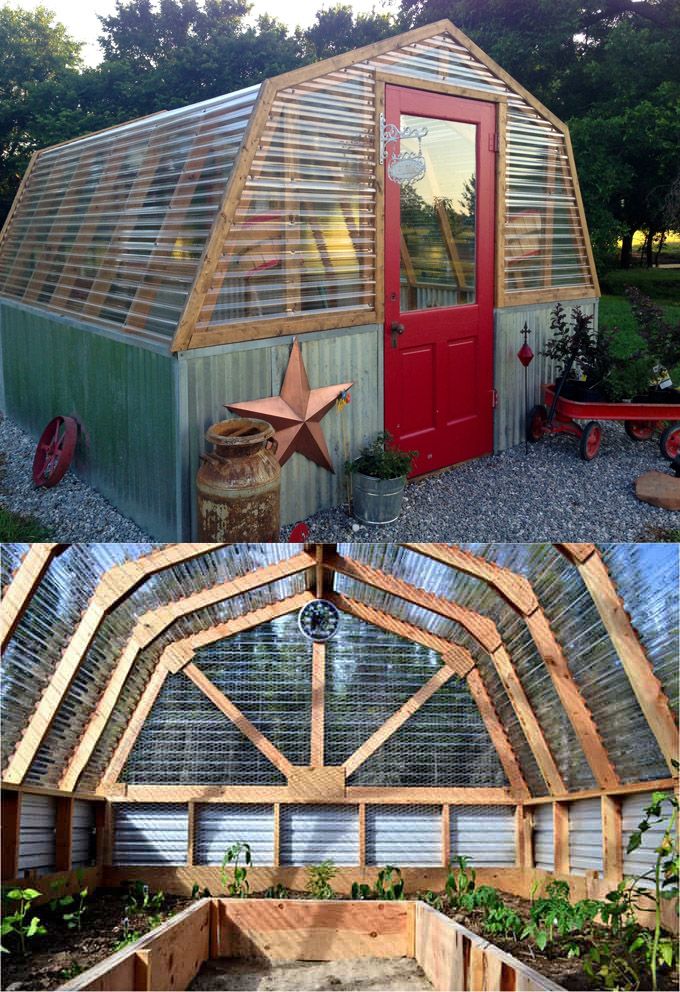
(585, 836)
(484, 834)
(123, 395)
(403, 835)
(218, 826)
(641, 860)
(83, 837)
(211, 378)
(150, 833)
(37, 834)
(510, 415)
(311, 834)
(544, 837)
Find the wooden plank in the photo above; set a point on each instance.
(318, 702)
(19, 196)
(142, 970)
(277, 834)
(362, 835)
(398, 719)
(501, 168)
(620, 790)
(63, 834)
(612, 839)
(191, 831)
(24, 583)
(647, 688)
(446, 834)
(9, 830)
(524, 837)
(581, 211)
(149, 626)
(527, 297)
(457, 658)
(132, 730)
(312, 930)
(316, 784)
(239, 719)
(561, 838)
(39, 790)
(574, 704)
(379, 209)
(437, 86)
(280, 793)
(496, 731)
(276, 327)
(113, 587)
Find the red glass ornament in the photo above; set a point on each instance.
(525, 355)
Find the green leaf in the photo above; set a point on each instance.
(83, 893)
(541, 939)
(634, 841)
(15, 894)
(7, 926)
(66, 901)
(33, 927)
(666, 951)
(31, 894)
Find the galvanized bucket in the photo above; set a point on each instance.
(376, 501)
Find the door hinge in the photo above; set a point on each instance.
(494, 399)
(494, 145)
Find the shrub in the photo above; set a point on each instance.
(319, 878)
(382, 460)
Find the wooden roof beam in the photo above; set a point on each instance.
(114, 586)
(496, 732)
(648, 690)
(25, 581)
(148, 628)
(520, 596)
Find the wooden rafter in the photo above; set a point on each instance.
(239, 719)
(117, 583)
(496, 732)
(151, 625)
(24, 583)
(647, 688)
(487, 635)
(519, 594)
(134, 726)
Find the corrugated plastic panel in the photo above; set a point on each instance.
(37, 851)
(585, 836)
(150, 833)
(218, 826)
(484, 834)
(83, 847)
(126, 214)
(403, 835)
(11, 556)
(311, 834)
(544, 837)
(641, 860)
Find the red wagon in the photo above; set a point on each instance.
(640, 421)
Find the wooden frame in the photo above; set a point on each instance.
(24, 583)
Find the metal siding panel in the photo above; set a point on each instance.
(218, 827)
(544, 837)
(237, 373)
(484, 834)
(82, 837)
(510, 415)
(122, 395)
(585, 836)
(404, 835)
(37, 851)
(150, 833)
(311, 834)
(643, 858)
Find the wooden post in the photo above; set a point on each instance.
(362, 835)
(318, 704)
(63, 834)
(446, 834)
(11, 821)
(561, 837)
(277, 834)
(191, 834)
(612, 839)
(524, 848)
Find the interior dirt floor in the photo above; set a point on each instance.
(312, 976)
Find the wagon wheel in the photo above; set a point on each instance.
(589, 445)
(55, 451)
(639, 430)
(536, 421)
(670, 442)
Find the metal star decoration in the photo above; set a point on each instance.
(296, 413)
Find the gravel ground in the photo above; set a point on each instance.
(72, 511)
(549, 494)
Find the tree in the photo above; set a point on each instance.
(337, 29)
(36, 54)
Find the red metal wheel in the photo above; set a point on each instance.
(639, 430)
(591, 438)
(670, 442)
(55, 451)
(536, 421)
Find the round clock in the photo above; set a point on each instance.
(318, 620)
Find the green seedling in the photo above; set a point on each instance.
(18, 922)
(361, 891)
(239, 887)
(460, 884)
(389, 884)
(432, 899)
(198, 893)
(74, 919)
(319, 879)
(278, 891)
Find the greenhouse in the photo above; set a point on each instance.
(402, 209)
(455, 759)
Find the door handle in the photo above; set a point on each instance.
(396, 329)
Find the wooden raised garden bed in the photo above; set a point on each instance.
(309, 930)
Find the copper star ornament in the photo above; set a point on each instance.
(296, 413)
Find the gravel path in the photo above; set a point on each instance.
(549, 494)
(72, 511)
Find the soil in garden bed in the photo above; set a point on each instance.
(338, 976)
(61, 954)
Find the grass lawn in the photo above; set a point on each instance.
(14, 527)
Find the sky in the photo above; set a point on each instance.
(80, 16)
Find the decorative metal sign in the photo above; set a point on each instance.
(407, 167)
(319, 620)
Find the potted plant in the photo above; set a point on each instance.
(583, 356)
(378, 479)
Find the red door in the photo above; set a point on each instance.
(439, 277)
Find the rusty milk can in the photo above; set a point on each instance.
(239, 483)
